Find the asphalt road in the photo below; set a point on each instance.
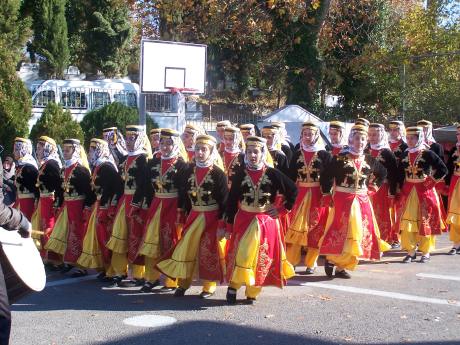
(384, 303)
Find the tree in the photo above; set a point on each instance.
(15, 103)
(50, 39)
(113, 114)
(56, 123)
(108, 37)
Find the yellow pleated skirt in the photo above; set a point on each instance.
(453, 214)
(118, 242)
(91, 256)
(57, 242)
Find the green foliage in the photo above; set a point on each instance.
(114, 114)
(50, 36)
(15, 104)
(56, 123)
(101, 35)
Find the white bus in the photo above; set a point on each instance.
(80, 96)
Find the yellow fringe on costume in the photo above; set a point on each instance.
(298, 230)
(36, 220)
(91, 256)
(151, 246)
(453, 216)
(247, 255)
(182, 262)
(221, 245)
(118, 242)
(58, 240)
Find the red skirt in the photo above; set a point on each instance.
(26, 206)
(135, 232)
(340, 225)
(103, 232)
(76, 230)
(382, 211)
(268, 268)
(47, 219)
(180, 261)
(430, 213)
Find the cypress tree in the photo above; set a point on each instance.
(15, 103)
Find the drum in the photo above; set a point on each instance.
(21, 264)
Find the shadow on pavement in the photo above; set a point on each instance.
(219, 333)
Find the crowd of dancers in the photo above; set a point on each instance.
(241, 209)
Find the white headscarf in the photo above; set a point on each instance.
(428, 137)
(263, 161)
(176, 148)
(24, 148)
(213, 158)
(78, 155)
(50, 152)
(383, 139)
(402, 132)
(350, 147)
(237, 138)
(420, 144)
(317, 144)
(116, 142)
(101, 154)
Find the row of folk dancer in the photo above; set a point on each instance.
(239, 209)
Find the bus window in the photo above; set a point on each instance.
(99, 99)
(126, 97)
(73, 98)
(43, 98)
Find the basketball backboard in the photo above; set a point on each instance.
(172, 65)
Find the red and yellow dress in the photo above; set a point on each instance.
(382, 200)
(70, 227)
(233, 161)
(108, 187)
(352, 232)
(161, 231)
(453, 181)
(420, 215)
(308, 215)
(128, 231)
(256, 255)
(49, 183)
(203, 194)
(27, 191)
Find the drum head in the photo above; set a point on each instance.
(24, 258)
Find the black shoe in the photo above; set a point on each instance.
(79, 273)
(342, 274)
(180, 292)
(116, 282)
(409, 258)
(453, 251)
(310, 270)
(458, 250)
(424, 259)
(101, 276)
(66, 268)
(205, 294)
(231, 296)
(148, 286)
(250, 300)
(328, 268)
(139, 282)
(167, 289)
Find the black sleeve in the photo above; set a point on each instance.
(30, 174)
(234, 196)
(149, 191)
(220, 189)
(400, 172)
(180, 182)
(450, 165)
(140, 178)
(52, 180)
(282, 163)
(82, 181)
(287, 188)
(287, 152)
(438, 166)
(378, 171)
(110, 182)
(438, 149)
(326, 179)
(392, 170)
(292, 170)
